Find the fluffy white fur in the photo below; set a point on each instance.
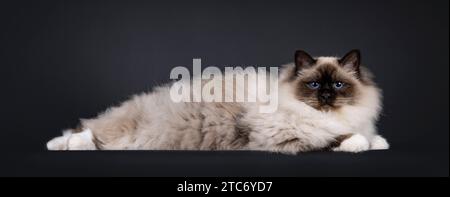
(356, 143)
(378, 143)
(152, 121)
(73, 141)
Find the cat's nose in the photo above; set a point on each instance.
(325, 95)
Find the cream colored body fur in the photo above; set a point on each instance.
(151, 121)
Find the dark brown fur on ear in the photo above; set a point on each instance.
(303, 60)
(352, 61)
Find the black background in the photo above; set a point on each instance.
(65, 60)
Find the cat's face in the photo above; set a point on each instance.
(327, 83)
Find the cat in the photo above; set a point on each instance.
(324, 103)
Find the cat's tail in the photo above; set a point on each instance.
(71, 140)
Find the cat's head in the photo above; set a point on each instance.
(328, 83)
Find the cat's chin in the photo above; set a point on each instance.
(327, 107)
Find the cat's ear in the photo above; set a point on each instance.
(351, 60)
(303, 60)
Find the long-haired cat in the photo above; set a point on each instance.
(323, 103)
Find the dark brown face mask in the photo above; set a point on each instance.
(326, 88)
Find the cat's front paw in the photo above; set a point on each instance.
(356, 143)
(379, 143)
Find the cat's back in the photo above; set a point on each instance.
(157, 122)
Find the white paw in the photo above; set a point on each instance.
(356, 143)
(379, 143)
(82, 141)
(59, 143)
(72, 141)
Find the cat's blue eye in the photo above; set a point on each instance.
(313, 85)
(338, 85)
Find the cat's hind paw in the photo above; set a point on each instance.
(59, 143)
(356, 143)
(72, 141)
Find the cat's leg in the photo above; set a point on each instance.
(289, 140)
(292, 146)
(73, 141)
(378, 143)
(354, 143)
